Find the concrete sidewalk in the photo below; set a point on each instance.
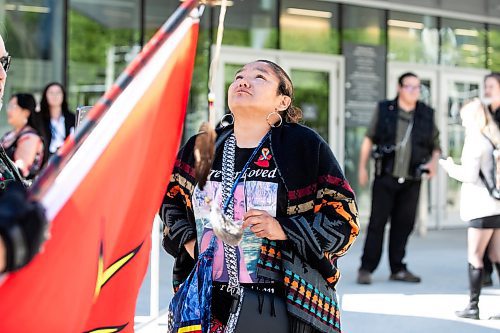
(440, 258)
(388, 306)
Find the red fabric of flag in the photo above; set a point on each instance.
(102, 206)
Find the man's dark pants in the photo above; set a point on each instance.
(397, 201)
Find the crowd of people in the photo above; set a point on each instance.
(36, 132)
(310, 217)
(404, 142)
(293, 240)
(280, 183)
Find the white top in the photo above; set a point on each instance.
(58, 132)
(475, 200)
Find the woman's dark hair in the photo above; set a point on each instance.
(493, 75)
(293, 114)
(44, 104)
(26, 101)
(404, 76)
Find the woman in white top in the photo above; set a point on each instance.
(55, 121)
(477, 207)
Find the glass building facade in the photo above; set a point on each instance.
(450, 44)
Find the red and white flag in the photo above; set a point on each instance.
(102, 203)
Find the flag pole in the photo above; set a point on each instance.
(204, 146)
(61, 157)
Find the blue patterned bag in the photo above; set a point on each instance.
(189, 310)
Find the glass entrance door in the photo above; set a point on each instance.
(319, 93)
(317, 88)
(457, 88)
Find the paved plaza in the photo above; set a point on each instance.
(388, 306)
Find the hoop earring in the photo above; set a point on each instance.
(274, 125)
(223, 121)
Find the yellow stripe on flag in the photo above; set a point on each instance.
(192, 328)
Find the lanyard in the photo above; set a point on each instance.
(406, 137)
(237, 180)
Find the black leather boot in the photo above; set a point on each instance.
(497, 316)
(475, 282)
(487, 270)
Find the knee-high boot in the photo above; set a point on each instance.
(497, 316)
(475, 281)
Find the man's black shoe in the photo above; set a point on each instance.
(364, 277)
(405, 276)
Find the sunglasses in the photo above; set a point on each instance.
(5, 61)
(411, 88)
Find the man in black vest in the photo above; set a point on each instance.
(407, 145)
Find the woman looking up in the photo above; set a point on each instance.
(281, 183)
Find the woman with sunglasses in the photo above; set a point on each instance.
(278, 184)
(57, 122)
(22, 144)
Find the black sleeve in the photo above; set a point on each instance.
(176, 210)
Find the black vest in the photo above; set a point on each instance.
(422, 139)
